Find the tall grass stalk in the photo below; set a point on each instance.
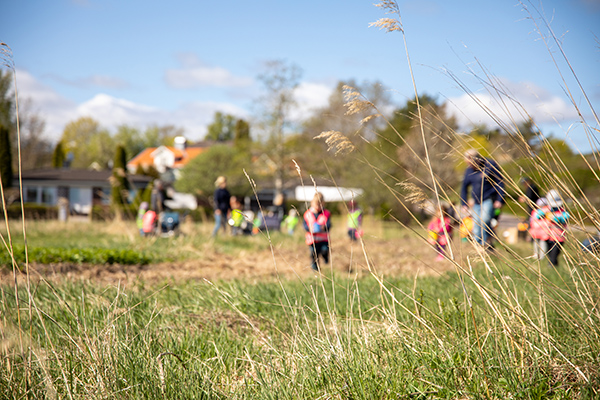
(498, 326)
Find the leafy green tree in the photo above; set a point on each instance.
(156, 135)
(366, 167)
(402, 123)
(280, 81)
(222, 129)
(427, 152)
(6, 172)
(199, 175)
(130, 138)
(119, 182)
(58, 156)
(36, 148)
(242, 137)
(88, 143)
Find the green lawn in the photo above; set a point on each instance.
(502, 327)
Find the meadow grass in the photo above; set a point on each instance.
(496, 326)
(328, 336)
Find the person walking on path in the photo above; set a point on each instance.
(222, 205)
(317, 222)
(486, 182)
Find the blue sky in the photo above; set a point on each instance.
(152, 62)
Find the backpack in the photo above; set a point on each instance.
(149, 221)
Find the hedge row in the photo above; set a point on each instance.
(49, 255)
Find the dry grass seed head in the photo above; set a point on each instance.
(387, 24)
(415, 195)
(389, 5)
(355, 102)
(337, 140)
(368, 118)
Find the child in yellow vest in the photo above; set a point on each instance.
(290, 221)
(355, 215)
(465, 228)
(237, 218)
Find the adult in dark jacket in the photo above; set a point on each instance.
(484, 178)
(222, 207)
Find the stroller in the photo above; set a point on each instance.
(170, 224)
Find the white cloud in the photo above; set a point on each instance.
(111, 112)
(55, 109)
(310, 96)
(523, 99)
(194, 73)
(193, 117)
(102, 81)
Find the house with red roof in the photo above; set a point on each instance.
(166, 158)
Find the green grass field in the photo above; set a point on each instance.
(499, 327)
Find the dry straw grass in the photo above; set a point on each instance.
(502, 321)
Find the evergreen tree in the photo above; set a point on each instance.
(6, 173)
(6, 123)
(6, 100)
(242, 134)
(120, 186)
(222, 129)
(58, 156)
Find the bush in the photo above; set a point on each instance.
(32, 211)
(107, 213)
(49, 255)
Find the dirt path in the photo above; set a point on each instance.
(409, 256)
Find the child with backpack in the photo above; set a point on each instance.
(355, 215)
(140, 217)
(554, 218)
(317, 222)
(439, 232)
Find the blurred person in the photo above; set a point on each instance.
(466, 226)
(291, 221)
(355, 215)
(486, 182)
(537, 230)
(158, 197)
(222, 205)
(237, 217)
(140, 217)
(522, 230)
(149, 222)
(531, 194)
(555, 219)
(317, 223)
(440, 231)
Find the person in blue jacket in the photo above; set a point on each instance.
(484, 178)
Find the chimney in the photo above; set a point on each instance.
(180, 143)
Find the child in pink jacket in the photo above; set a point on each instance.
(537, 230)
(440, 230)
(554, 218)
